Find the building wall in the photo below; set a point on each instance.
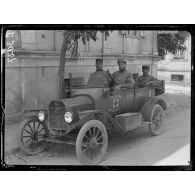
(176, 65)
(31, 80)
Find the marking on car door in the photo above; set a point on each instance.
(115, 103)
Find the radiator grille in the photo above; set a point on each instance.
(56, 117)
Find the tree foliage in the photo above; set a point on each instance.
(171, 43)
(71, 38)
(70, 44)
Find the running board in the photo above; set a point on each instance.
(145, 123)
(60, 141)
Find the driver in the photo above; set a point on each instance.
(146, 79)
(99, 78)
(122, 78)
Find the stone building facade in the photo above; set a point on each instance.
(176, 69)
(31, 79)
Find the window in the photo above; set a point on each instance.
(177, 77)
(139, 33)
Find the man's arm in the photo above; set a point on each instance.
(153, 81)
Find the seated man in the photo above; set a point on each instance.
(99, 78)
(146, 79)
(122, 78)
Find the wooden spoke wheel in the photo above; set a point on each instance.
(91, 143)
(31, 136)
(157, 120)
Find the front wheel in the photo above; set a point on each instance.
(157, 120)
(91, 143)
(31, 136)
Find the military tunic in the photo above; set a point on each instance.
(98, 79)
(125, 79)
(142, 80)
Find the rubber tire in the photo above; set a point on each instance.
(151, 130)
(80, 137)
(20, 132)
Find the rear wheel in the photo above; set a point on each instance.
(157, 120)
(91, 143)
(31, 136)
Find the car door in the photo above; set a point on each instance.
(116, 102)
(141, 97)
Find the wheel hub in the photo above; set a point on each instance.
(93, 142)
(35, 136)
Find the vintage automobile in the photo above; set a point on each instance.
(86, 116)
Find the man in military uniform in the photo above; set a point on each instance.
(99, 78)
(146, 79)
(122, 78)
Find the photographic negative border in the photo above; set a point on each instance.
(4, 28)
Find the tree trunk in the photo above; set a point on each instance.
(61, 70)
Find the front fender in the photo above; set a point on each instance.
(148, 106)
(91, 115)
(33, 113)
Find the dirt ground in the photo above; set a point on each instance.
(176, 102)
(172, 147)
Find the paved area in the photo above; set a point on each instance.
(178, 158)
(177, 89)
(10, 135)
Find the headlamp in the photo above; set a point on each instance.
(41, 116)
(68, 117)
